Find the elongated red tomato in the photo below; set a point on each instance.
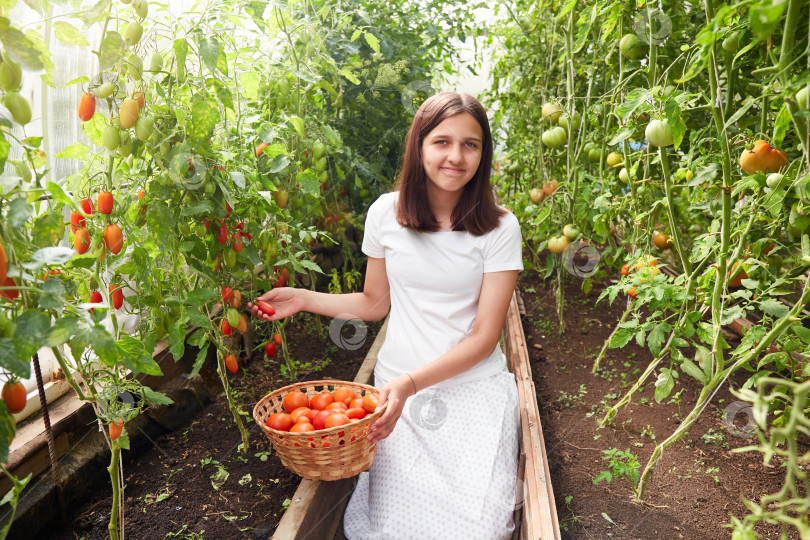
(231, 363)
(81, 241)
(113, 238)
(226, 328)
(265, 308)
(105, 202)
(87, 107)
(116, 428)
(11, 294)
(15, 396)
(77, 221)
(227, 294)
(278, 339)
(117, 296)
(270, 349)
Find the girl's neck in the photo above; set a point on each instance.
(442, 204)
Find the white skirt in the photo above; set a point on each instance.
(449, 467)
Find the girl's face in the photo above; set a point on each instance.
(451, 153)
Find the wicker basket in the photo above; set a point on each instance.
(325, 454)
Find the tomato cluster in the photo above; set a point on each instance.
(325, 410)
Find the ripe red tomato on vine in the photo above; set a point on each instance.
(14, 395)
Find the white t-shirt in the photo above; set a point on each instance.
(435, 281)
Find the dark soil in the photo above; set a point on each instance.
(169, 491)
(697, 484)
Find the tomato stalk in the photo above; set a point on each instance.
(223, 376)
(68, 374)
(605, 346)
(118, 489)
(714, 383)
(792, 18)
(676, 236)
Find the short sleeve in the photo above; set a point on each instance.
(372, 246)
(504, 246)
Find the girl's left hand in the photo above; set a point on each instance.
(394, 393)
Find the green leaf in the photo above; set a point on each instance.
(781, 126)
(309, 182)
(622, 338)
(11, 361)
(49, 256)
(113, 49)
(180, 50)
(53, 295)
(67, 33)
(332, 135)
(209, 52)
(104, 345)
(774, 308)
(250, 84)
(63, 328)
(32, 330)
(77, 150)
(8, 428)
(202, 354)
(298, 124)
(657, 337)
(19, 211)
(198, 318)
(19, 47)
(94, 127)
(565, 10)
(311, 266)
(349, 75)
(355, 35)
(177, 335)
(765, 15)
(48, 229)
(664, 383)
(200, 297)
(204, 117)
(279, 163)
(156, 397)
(676, 124)
(372, 41)
(201, 207)
(78, 80)
(135, 357)
(688, 367)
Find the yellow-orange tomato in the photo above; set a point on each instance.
(113, 238)
(242, 326)
(295, 400)
(762, 158)
(129, 113)
(337, 419)
(298, 413)
(736, 281)
(646, 261)
(370, 402)
(279, 421)
(344, 394)
(87, 107)
(321, 401)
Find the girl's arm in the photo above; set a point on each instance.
(496, 293)
(370, 305)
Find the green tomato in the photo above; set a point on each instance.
(111, 138)
(133, 32)
(595, 154)
(743, 534)
(777, 181)
(200, 230)
(184, 228)
(570, 232)
(659, 133)
(143, 127)
(141, 8)
(572, 124)
(732, 42)
(318, 150)
(554, 137)
(134, 66)
(105, 90)
(551, 112)
(10, 76)
(803, 98)
(632, 47)
(230, 258)
(125, 148)
(18, 107)
(320, 164)
(156, 63)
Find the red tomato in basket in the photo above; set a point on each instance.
(337, 419)
(370, 402)
(280, 421)
(298, 413)
(356, 403)
(302, 427)
(321, 401)
(336, 405)
(344, 394)
(312, 414)
(355, 413)
(320, 419)
(294, 400)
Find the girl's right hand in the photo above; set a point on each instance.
(286, 301)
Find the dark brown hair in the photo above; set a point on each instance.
(476, 211)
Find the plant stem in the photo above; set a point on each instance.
(610, 338)
(223, 375)
(676, 236)
(117, 489)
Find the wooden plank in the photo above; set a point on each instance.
(539, 511)
(317, 507)
(36, 463)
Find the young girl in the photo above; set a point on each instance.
(444, 258)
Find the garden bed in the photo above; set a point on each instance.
(698, 482)
(193, 482)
